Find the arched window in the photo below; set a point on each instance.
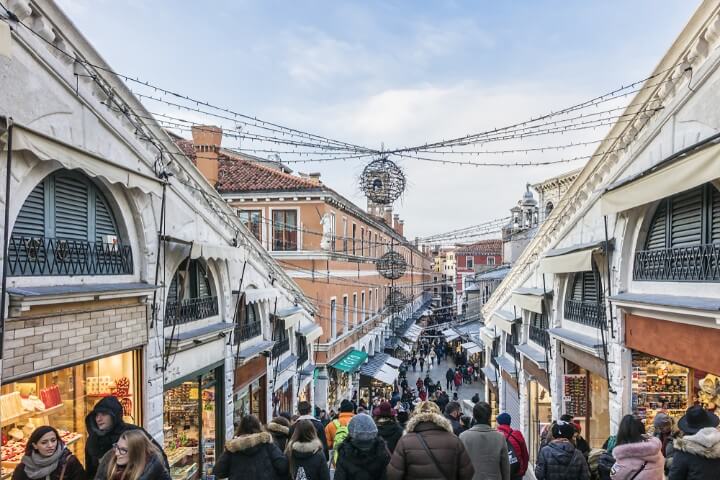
(66, 227)
(682, 239)
(190, 294)
(585, 300)
(249, 324)
(548, 209)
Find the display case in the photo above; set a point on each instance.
(659, 385)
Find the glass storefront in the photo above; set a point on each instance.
(586, 398)
(191, 417)
(659, 385)
(250, 400)
(63, 398)
(540, 416)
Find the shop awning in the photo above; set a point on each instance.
(413, 333)
(471, 347)
(450, 334)
(673, 301)
(255, 295)
(47, 148)
(285, 364)
(577, 258)
(490, 374)
(531, 299)
(682, 171)
(378, 368)
(251, 351)
(579, 340)
(210, 251)
(311, 331)
(536, 354)
(291, 316)
(505, 319)
(393, 362)
(351, 361)
(506, 364)
(404, 346)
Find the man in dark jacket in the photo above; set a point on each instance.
(105, 425)
(388, 429)
(697, 454)
(560, 460)
(449, 376)
(304, 410)
(453, 411)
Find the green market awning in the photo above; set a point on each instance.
(351, 361)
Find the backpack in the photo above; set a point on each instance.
(301, 475)
(341, 433)
(512, 457)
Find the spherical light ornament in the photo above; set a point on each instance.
(392, 265)
(396, 300)
(382, 181)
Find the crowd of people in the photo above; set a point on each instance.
(430, 440)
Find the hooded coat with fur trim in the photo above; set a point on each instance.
(252, 456)
(360, 462)
(308, 457)
(697, 457)
(280, 434)
(411, 461)
(390, 431)
(630, 458)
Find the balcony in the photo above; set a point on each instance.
(586, 313)
(699, 263)
(510, 345)
(41, 256)
(540, 336)
(280, 347)
(248, 331)
(189, 310)
(304, 356)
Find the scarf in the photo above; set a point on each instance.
(37, 466)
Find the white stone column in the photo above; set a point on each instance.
(321, 389)
(228, 387)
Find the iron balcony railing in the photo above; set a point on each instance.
(302, 359)
(249, 330)
(540, 336)
(41, 256)
(189, 310)
(699, 263)
(510, 345)
(586, 313)
(280, 347)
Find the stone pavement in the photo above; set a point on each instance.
(437, 372)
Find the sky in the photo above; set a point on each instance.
(395, 73)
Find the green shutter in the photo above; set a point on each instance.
(686, 218)
(31, 219)
(104, 222)
(71, 208)
(656, 234)
(715, 216)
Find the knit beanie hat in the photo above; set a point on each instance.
(362, 429)
(384, 410)
(661, 419)
(563, 429)
(504, 419)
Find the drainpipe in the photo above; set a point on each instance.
(6, 234)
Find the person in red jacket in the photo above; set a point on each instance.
(517, 440)
(458, 380)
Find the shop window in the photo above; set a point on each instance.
(66, 227)
(249, 324)
(63, 398)
(585, 303)
(285, 230)
(252, 219)
(681, 242)
(193, 425)
(190, 295)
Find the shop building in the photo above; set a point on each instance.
(124, 270)
(619, 313)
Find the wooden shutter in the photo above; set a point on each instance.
(577, 287)
(686, 218)
(104, 222)
(202, 281)
(715, 216)
(31, 220)
(590, 290)
(173, 289)
(657, 233)
(71, 208)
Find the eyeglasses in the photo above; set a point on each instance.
(119, 449)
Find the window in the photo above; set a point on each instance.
(190, 295)
(375, 250)
(491, 260)
(585, 303)
(345, 237)
(354, 230)
(66, 227)
(333, 231)
(252, 219)
(369, 244)
(355, 309)
(548, 209)
(538, 329)
(370, 301)
(333, 319)
(285, 227)
(362, 241)
(363, 312)
(249, 324)
(346, 315)
(377, 301)
(469, 262)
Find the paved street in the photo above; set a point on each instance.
(437, 372)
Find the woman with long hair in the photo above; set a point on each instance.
(46, 456)
(637, 455)
(252, 453)
(133, 457)
(305, 453)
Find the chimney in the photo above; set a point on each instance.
(206, 140)
(400, 228)
(396, 222)
(315, 178)
(387, 216)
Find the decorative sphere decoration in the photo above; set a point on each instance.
(382, 181)
(392, 265)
